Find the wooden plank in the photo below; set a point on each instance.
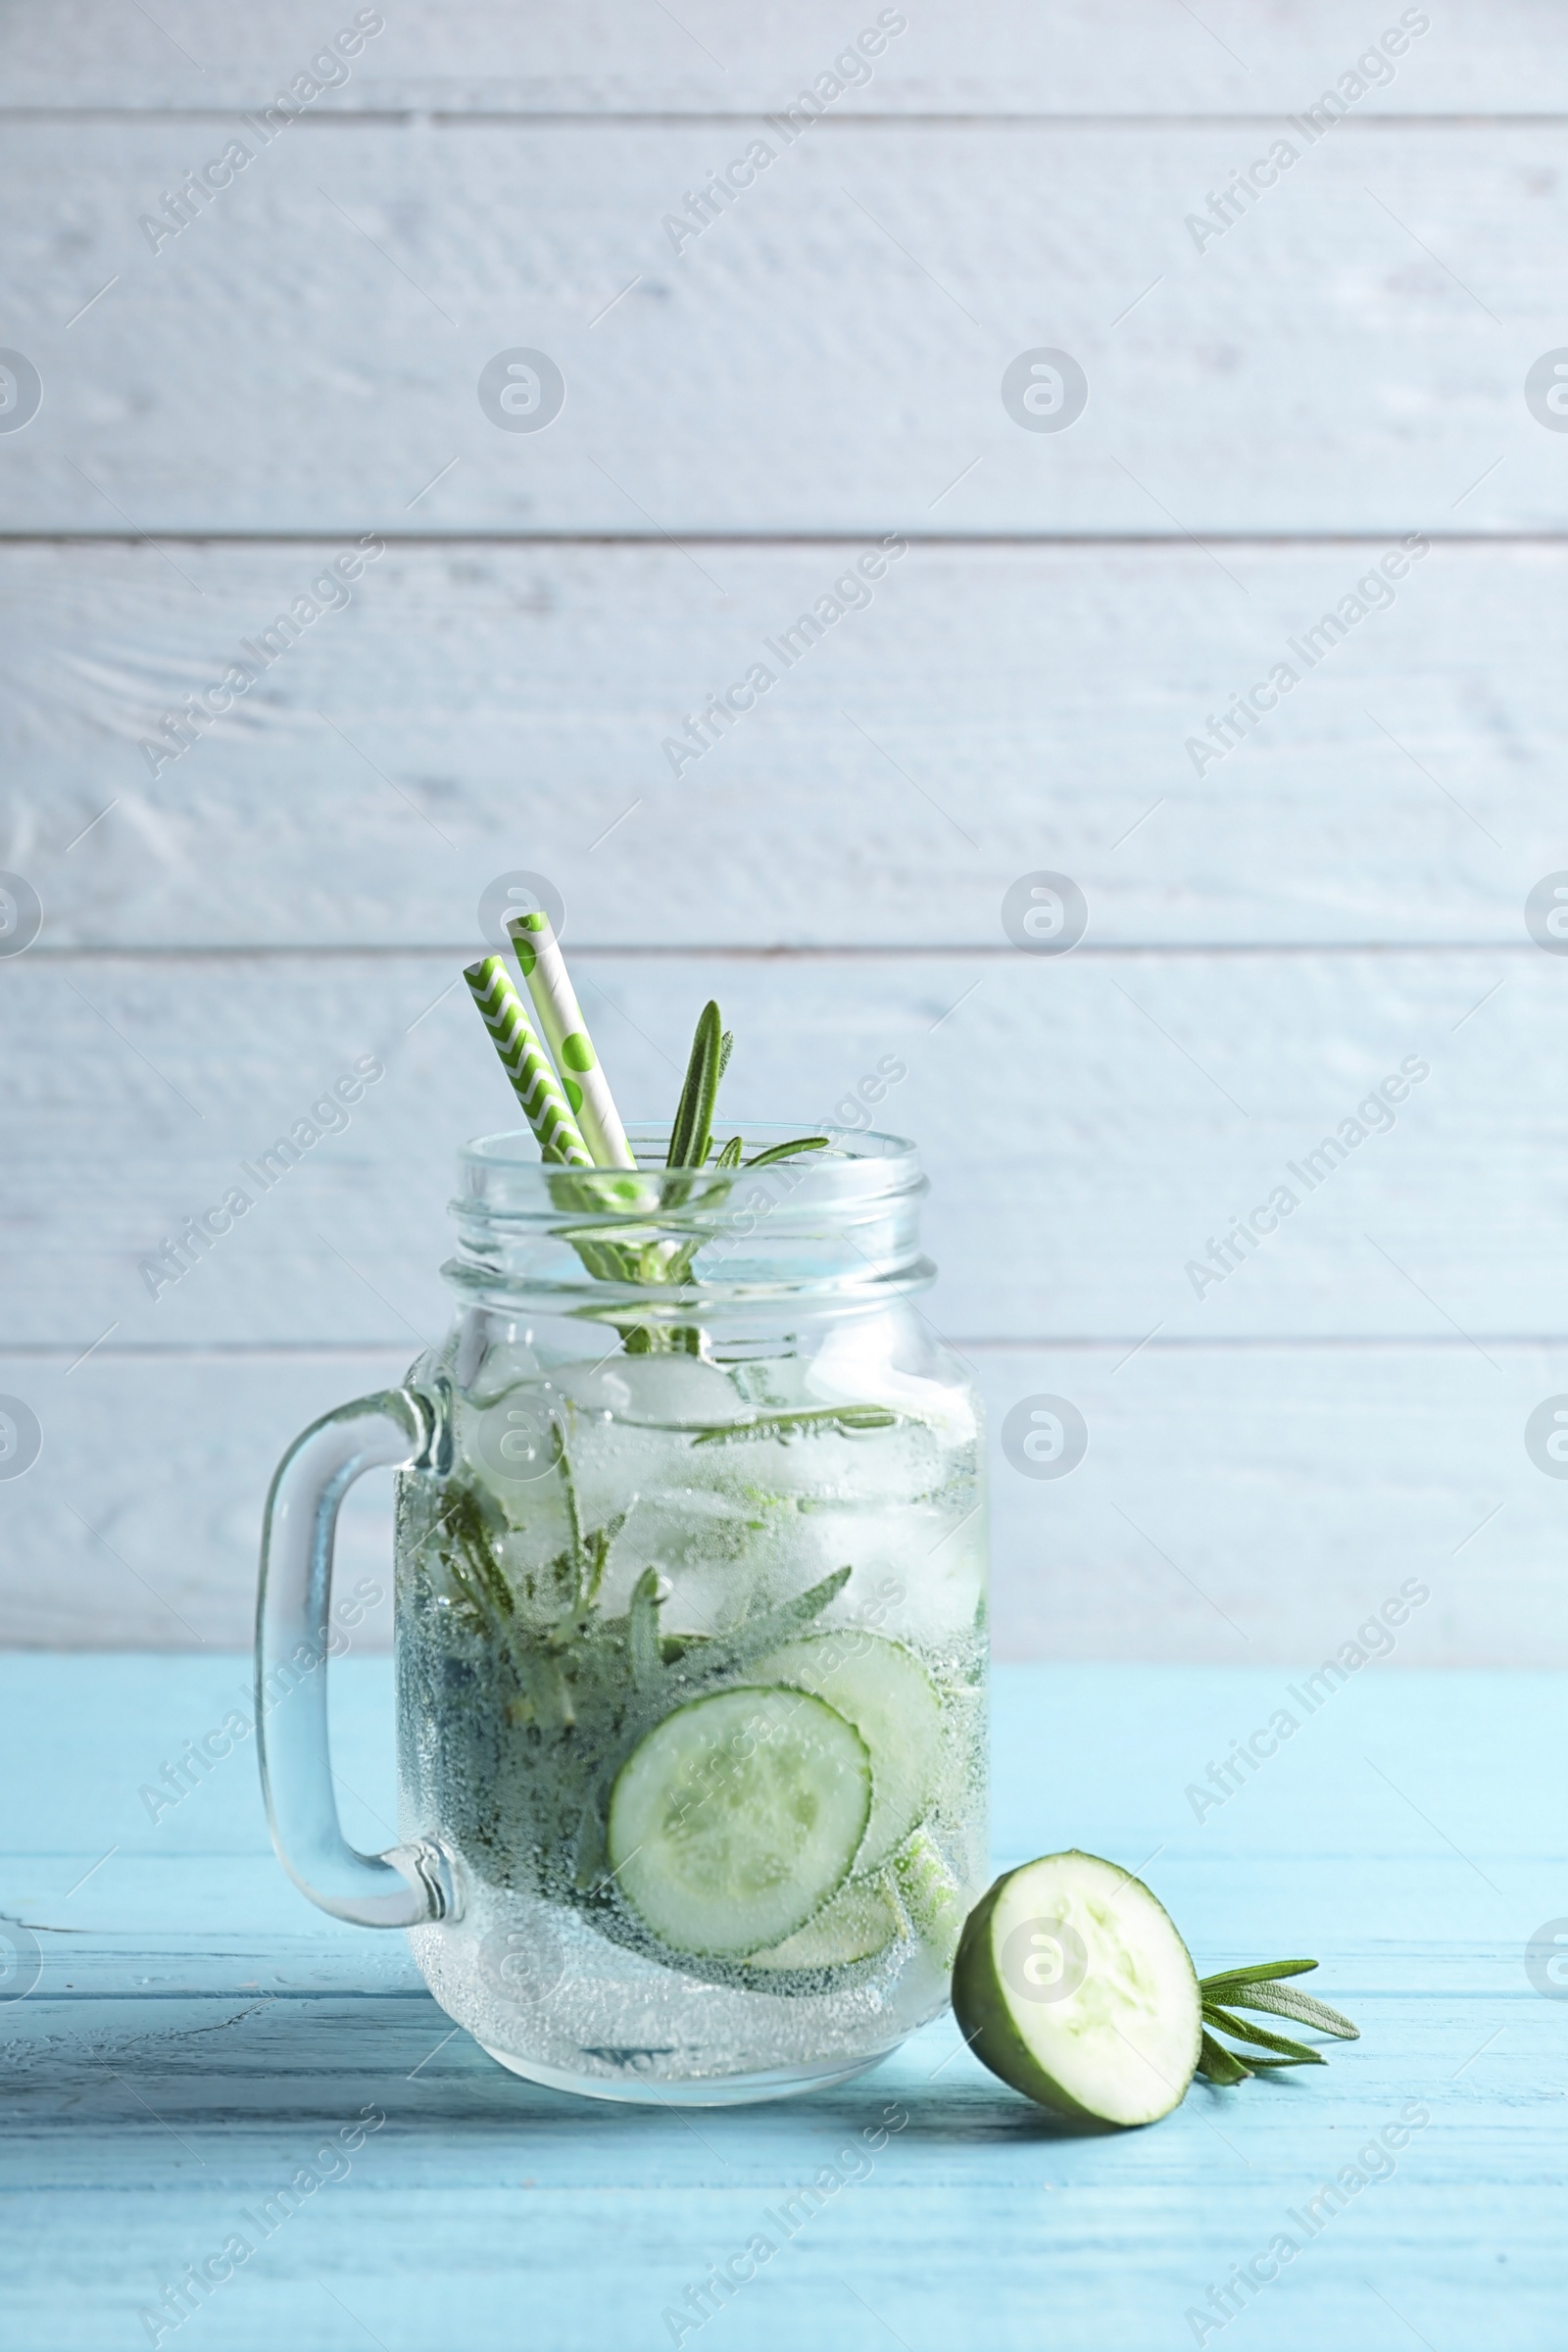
(1237, 1505)
(417, 2254)
(139, 1524)
(478, 2195)
(992, 712)
(1092, 1126)
(827, 355)
(1059, 57)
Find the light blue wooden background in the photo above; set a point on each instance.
(298, 367)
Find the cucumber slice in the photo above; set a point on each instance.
(1073, 1986)
(931, 1895)
(860, 1921)
(884, 1691)
(737, 1819)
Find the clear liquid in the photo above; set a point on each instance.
(745, 1488)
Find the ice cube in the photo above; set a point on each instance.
(855, 1365)
(653, 1392)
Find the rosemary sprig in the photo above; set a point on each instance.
(692, 1135)
(470, 1561)
(691, 1140)
(802, 1423)
(1258, 1989)
(730, 1156)
(802, 1143)
(561, 1461)
(593, 1558)
(642, 1634)
(769, 1629)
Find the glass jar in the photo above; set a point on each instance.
(690, 1626)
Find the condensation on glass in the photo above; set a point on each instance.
(690, 1626)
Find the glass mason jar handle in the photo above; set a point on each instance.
(408, 1885)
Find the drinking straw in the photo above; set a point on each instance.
(525, 1063)
(565, 1033)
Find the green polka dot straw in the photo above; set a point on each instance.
(565, 1033)
(525, 1063)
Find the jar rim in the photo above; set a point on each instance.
(501, 1172)
(842, 1222)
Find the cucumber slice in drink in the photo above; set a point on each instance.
(1073, 1986)
(884, 1691)
(931, 1895)
(860, 1921)
(737, 1819)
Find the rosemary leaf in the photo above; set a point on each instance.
(642, 1633)
(755, 1636)
(1217, 2064)
(1238, 2028)
(1283, 2000)
(804, 1143)
(786, 1425)
(568, 1488)
(472, 1559)
(693, 1132)
(1228, 1977)
(596, 1552)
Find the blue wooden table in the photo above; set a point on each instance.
(197, 2039)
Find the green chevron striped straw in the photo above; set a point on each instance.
(565, 1033)
(525, 1063)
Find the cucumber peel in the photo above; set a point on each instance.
(1072, 1984)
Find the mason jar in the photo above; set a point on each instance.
(690, 1626)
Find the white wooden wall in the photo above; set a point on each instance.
(297, 370)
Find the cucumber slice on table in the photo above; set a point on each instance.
(1072, 1984)
(736, 1820)
(884, 1691)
